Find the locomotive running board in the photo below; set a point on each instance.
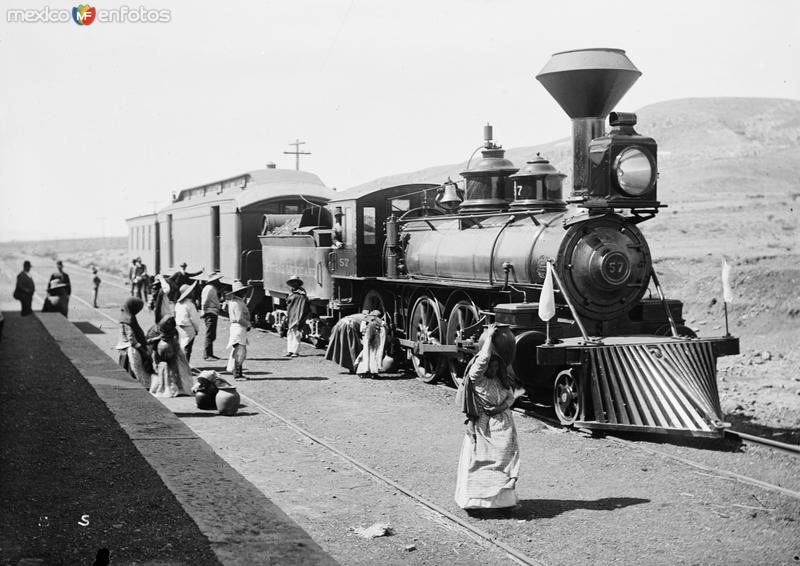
(429, 348)
(663, 387)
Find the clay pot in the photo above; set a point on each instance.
(206, 400)
(503, 341)
(227, 401)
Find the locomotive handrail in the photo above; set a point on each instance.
(571, 307)
(474, 215)
(506, 224)
(672, 326)
(245, 259)
(407, 213)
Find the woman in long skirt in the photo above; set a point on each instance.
(132, 343)
(173, 376)
(489, 464)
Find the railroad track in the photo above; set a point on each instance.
(747, 438)
(516, 555)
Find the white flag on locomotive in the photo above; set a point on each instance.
(727, 292)
(547, 300)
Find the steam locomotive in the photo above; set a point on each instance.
(441, 261)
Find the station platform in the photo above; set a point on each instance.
(89, 461)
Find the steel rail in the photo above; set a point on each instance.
(516, 555)
(760, 440)
(710, 469)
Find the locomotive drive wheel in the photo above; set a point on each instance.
(426, 328)
(463, 317)
(567, 397)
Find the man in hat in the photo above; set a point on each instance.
(239, 316)
(140, 278)
(183, 277)
(297, 310)
(187, 319)
(25, 288)
(131, 270)
(67, 291)
(95, 286)
(209, 303)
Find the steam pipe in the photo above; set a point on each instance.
(584, 130)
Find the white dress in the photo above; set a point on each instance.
(488, 467)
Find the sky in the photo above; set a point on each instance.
(103, 122)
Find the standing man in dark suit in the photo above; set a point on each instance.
(183, 277)
(64, 278)
(25, 288)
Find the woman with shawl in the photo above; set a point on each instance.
(173, 376)
(489, 463)
(162, 301)
(187, 318)
(297, 310)
(344, 346)
(373, 340)
(132, 343)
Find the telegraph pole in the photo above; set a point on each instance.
(297, 153)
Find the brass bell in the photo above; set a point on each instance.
(449, 196)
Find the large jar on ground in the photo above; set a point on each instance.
(227, 401)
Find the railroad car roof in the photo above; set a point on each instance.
(142, 217)
(378, 187)
(253, 187)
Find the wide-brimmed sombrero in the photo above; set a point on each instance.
(294, 281)
(186, 290)
(237, 287)
(216, 276)
(56, 284)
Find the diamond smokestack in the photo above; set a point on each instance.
(587, 83)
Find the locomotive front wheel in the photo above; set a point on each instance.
(567, 397)
(426, 328)
(463, 317)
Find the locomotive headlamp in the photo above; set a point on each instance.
(634, 170)
(623, 168)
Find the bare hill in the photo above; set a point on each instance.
(692, 131)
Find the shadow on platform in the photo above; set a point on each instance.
(87, 327)
(212, 413)
(530, 509)
(291, 378)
